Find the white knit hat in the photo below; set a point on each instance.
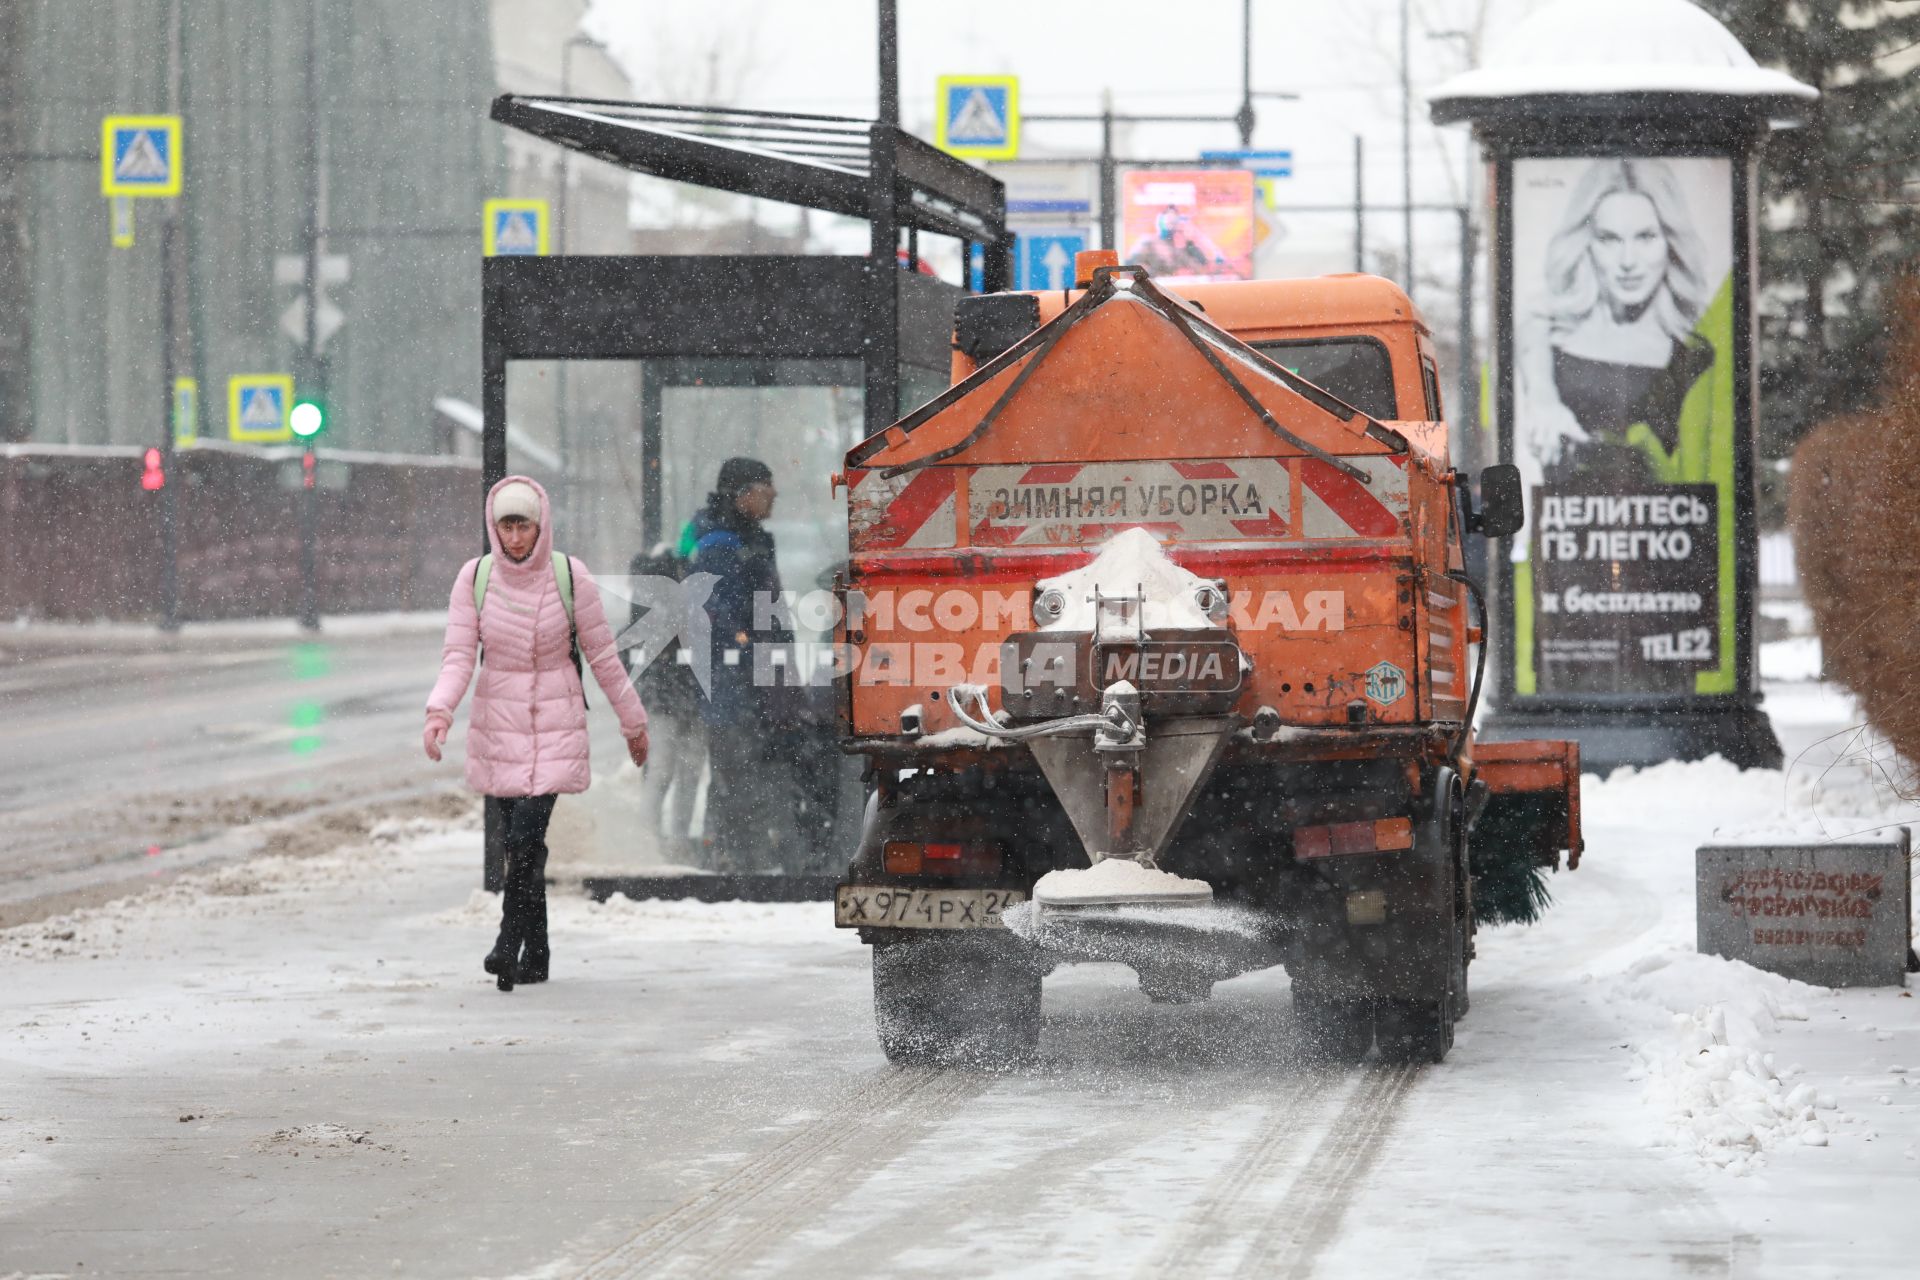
(516, 499)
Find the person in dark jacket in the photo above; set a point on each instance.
(749, 785)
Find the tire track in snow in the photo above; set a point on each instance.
(1699, 1239)
(1242, 1191)
(1290, 1242)
(965, 1203)
(729, 1225)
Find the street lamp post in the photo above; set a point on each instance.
(889, 113)
(314, 362)
(1406, 139)
(1244, 117)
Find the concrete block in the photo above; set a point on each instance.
(1838, 914)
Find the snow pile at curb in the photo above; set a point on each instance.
(660, 919)
(268, 883)
(1702, 1027)
(1709, 1071)
(685, 919)
(480, 908)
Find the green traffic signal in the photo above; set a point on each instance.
(308, 419)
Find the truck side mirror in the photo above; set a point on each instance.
(1503, 510)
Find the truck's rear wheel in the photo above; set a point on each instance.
(1333, 1029)
(1414, 1030)
(1461, 944)
(956, 1001)
(1421, 1029)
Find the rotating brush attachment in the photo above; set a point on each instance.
(1509, 885)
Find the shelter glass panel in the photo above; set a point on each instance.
(799, 417)
(629, 452)
(575, 426)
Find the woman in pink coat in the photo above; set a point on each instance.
(527, 736)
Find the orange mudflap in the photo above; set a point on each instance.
(1546, 770)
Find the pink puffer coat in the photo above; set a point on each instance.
(527, 735)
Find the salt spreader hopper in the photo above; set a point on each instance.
(1163, 652)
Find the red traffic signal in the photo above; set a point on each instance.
(153, 477)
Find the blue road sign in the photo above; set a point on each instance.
(257, 405)
(1056, 208)
(515, 228)
(140, 156)
(514, 232)
(1046, 257)
(1262, 164)
(979, 117)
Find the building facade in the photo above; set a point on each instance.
(357, 122)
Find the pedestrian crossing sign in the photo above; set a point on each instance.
(140, 156)
(515, 228)
(186, 412)
(257, 407)
(978, 117)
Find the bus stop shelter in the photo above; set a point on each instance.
(870, 333)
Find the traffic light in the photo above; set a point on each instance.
(308, 420)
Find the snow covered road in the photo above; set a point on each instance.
(294, 1066)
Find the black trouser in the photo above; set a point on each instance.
(748, 800)
(523, 907)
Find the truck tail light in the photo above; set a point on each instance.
(940, 858)
(1374, 835)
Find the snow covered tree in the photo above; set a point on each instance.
(1841, 200)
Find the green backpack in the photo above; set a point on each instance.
(562, 578)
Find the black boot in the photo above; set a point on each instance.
(500, 962)
(533, 964)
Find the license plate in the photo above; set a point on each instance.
(871, 906)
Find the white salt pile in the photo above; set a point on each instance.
(1131, 563)
(1118, 880)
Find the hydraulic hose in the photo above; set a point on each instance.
(960, 694)
(1480, 659)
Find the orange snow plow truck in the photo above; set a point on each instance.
(1157, 637)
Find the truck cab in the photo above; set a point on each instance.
(1358, 337)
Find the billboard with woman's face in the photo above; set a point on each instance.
(1624, 425)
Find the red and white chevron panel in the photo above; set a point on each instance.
(1335, 505)
(914, 511)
